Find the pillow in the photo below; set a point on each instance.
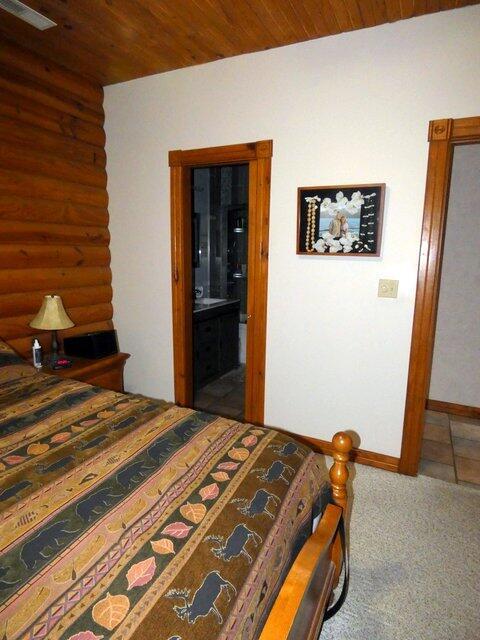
(8, 356)
(12, 366)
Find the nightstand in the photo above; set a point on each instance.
(102, 372)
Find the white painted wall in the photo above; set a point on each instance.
(340, 110)
(456, 357)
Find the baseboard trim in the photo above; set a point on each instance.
(455, 409)
(369, 458)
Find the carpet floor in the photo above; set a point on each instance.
(415, 561)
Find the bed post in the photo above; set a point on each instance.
(342, 445)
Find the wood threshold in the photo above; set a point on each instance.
(258, 156)
(443, 135)
(454, 409)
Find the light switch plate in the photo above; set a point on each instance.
(387, 288)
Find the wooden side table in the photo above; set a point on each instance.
(103, 372)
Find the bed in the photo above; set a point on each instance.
(125, 517)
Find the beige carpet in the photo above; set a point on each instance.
(415, 561)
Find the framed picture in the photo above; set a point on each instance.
(339, 221)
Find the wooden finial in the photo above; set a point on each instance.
(342, 445)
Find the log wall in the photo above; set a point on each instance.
(53, 198)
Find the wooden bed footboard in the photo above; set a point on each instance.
(299, 608)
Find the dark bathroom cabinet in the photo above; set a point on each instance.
(215, 342)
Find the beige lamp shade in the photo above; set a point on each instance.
(52, 315)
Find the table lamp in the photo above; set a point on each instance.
(51, 317)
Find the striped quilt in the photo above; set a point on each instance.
(125, 517)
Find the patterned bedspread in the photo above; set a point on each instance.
(125, 517)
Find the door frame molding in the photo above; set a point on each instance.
(443, 135)
(258, 155)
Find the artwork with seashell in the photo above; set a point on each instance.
(340, 220)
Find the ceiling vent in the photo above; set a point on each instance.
(20, 10)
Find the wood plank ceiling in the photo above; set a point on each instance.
(112, 41)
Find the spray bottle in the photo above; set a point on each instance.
(37, 354)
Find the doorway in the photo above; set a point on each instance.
(221, 275)
(444, 137)
(451, 433)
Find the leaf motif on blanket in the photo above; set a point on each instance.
(129, 514)
(85, 635)
(110, 611)
(210, 492)
(63, 436)
(25, 612)
(81, 559)
(188, 459)
(77, 429)
(177, 530)
(165, 479)
(257, 432)
(239, 453)
(220, 476)
(229, 466)
(37, 448)
(164, 546)
(89, 423)
(105, 414)
(193, 512)
(250, 441)
(141, 573)
(14, 459)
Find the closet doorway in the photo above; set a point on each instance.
(220, 201)
(444, 137)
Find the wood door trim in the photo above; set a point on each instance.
(181, 285)
(227, 154)
(443, 135)
(258, 156)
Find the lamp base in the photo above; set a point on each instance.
(58, 361)
(54, 353)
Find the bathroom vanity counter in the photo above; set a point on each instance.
(202, 311)
(215, 340)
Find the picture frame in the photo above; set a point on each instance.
(341, 220)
